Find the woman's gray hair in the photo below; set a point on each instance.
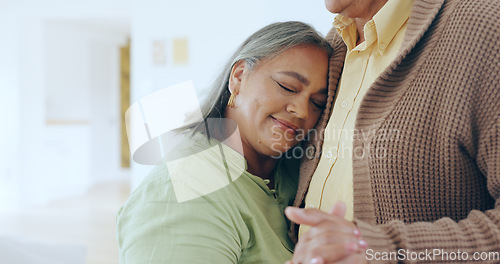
(266, 43)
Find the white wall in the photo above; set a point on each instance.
(32, 112)
(82, 88)
(59, 61)
(87, 93)
(9, 102)
(214, 29)
(105, 109)
(55, 60)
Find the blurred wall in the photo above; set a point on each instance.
(214, 30)
(58, 61)
(59, 130)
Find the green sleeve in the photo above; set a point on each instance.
(153, 227)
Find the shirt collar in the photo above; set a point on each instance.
(389, 21)
(347, 30)
(382, 28)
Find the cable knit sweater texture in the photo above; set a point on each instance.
(426, 158)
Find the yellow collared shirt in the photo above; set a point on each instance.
(332, 180)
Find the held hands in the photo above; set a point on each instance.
(331, 239)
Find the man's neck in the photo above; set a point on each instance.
(363, 19)
(360, 25)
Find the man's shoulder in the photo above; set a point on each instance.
(476, 12)
(333, 37)
(475, 22)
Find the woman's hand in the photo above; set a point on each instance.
(331, 239)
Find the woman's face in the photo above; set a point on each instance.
(280, 99)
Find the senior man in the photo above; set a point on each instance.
(408, 152)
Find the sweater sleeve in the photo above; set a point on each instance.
(476, 237)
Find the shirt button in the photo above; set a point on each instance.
(382, 46)
(344, 104)
(266, 181)
(311, 206)
(329, 154)
(310, 151)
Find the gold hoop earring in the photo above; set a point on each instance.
(230, 103)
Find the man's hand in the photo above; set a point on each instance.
(331, 239)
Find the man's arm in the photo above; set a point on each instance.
(476, 237)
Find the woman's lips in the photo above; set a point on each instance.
(285, 125)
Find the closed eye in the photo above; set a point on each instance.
(285, 88)
(318, 105)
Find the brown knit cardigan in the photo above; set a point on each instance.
(426, 158)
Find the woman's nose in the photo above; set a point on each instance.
(299, 107)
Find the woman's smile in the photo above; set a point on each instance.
(285, 126)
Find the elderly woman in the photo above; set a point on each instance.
(219, 197)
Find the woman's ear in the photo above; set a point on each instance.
(236, 76)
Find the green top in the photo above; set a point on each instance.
(206, 208)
